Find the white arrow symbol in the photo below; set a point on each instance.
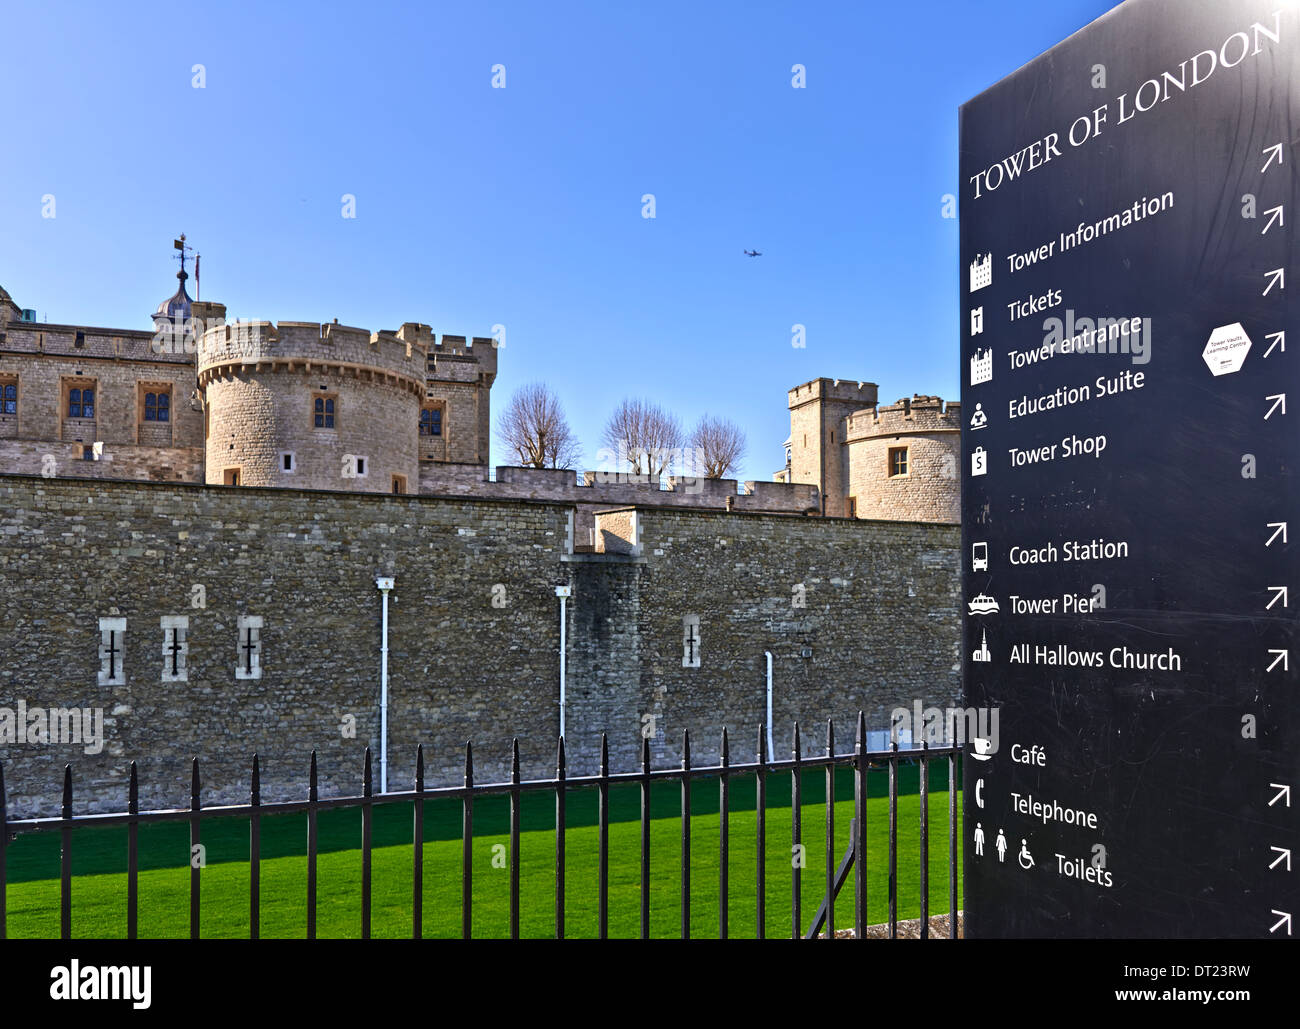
(1275, 151)
(1277, 277)
(1279, 529)
(1281, 656)
(1282, 791)
(1279, 400)
(1278, 594)
(1280, 219)
(1279, 339)
(1284, 920)
(1285, 855)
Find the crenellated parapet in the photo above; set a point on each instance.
(309, 348)
(910, 415)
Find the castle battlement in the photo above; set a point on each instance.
(844, 391)
(309, 346)
(480, 351)
(913, 414)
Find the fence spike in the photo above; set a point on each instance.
(419, 767)
(67, 791)
(725, 751)
(366, 784)
(312, 793)
(255, 787)
(559, 759)
(514, 760)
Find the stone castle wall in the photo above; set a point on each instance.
(474, 632)
(45, 359)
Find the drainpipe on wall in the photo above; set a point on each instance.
(384, 585)
(771, 750)
(564, 593)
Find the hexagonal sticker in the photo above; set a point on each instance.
(1227, 349)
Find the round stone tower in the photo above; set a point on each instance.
(904, 461)
(311, 406)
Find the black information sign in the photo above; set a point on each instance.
(1131, 516)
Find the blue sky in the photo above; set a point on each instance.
(521, 206)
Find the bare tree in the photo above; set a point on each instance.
(644, 435)
(719, 444)
(534, 428)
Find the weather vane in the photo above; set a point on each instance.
(183, 248)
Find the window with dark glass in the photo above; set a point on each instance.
(157, 407)
(324, 412)
(9, 398)
(431, 421)
(81, 403)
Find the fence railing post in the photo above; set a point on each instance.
(760, 856)
(560, 774)
(65, 859)
(255, 853)
(417, 856)
(645, 837)
(602, 900)
(830, 829)
(686, 834)
(925, 839)
(514, 839)
(893, 840)
(466, 846)
(132, 855)
(367, 813)
(196, 851)
(312, 797)
(860, 829)
(724, 812)
(796, 838)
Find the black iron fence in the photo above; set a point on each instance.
(823, 921)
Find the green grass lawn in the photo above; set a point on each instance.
(99, 862)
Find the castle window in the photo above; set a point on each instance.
(897, 461)
(8, 396)
(324, 410)
(81, 403)
(230, 477)
(286, 462)
(249, 661)
(853, 507)
(399, 484)
(112, 636)
(157, 407)
(431, 421)
(691, 641)
(175, 647)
